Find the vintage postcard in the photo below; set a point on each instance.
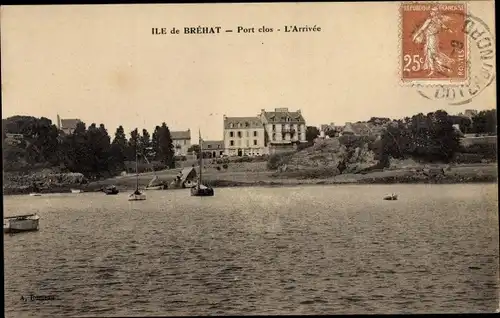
(249, 159)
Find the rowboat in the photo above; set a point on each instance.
(111, 190)
(391, 197)
(21, 223)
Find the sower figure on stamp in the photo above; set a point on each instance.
(430, 30)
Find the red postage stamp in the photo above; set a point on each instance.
(433, 43)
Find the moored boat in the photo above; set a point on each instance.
(391, 197)
(21, 223)
(35, 194)
(201, 190)
(137, 195)
(110, 190)
(76, 191)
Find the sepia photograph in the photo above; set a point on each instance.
(291, 158)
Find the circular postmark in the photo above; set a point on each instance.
(481, 65)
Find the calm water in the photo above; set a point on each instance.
(300, 250)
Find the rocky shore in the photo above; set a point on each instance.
(477, 174)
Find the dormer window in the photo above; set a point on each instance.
(247, 124)
(231, 125)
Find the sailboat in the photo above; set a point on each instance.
(137, 195)
(200, 190)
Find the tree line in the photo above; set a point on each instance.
(88, 150)
(432, 137)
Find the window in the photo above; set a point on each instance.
(248, 143)
(239, 134)
(231, 142)
(255, 133)
(274, 127)
(231, 125)
(255, 142)
(218, 146)
(247, 133)
(231, 134)
(247, 124)
(209, 146)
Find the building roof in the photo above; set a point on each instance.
(180, 135)
(242, 122)
(69, 123)
(212, 144)
(283, 115)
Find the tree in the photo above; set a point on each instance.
(428, 137)
(118, 149)
(98, 144)
(311, 133)
(155, 143)
(166, 146)
(132, 144)
(145, 144)
(485, 122)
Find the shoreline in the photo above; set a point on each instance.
(220, 183)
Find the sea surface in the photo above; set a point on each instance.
(287, 250)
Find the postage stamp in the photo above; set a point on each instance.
(481, 59)
(434, 47)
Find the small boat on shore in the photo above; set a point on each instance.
(21, 223)
(35, 194)
(160, 187)
(111, 190)
(391, 197)
(76, 191)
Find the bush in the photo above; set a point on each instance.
(218, 168)
(278, 159)
(243, 159)
(462, 157)
(224, 166)
(302, 146)
(488, 151)
(222, 160)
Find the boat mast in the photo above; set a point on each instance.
(201, 157)
(136, 169)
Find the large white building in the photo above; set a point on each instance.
(269, 132)
(244, 136)
(285, 129)
(181, 141)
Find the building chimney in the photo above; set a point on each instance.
(58, 122)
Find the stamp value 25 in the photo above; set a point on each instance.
(434, 48)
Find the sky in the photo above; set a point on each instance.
(102, 64)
